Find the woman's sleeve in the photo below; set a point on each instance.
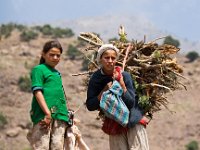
(129, 96)
(92, 101)
(36, 79)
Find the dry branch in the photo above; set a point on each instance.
(151, 65)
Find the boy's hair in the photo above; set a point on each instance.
(49, 45)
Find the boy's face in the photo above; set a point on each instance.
(52, 57)
(108, 60)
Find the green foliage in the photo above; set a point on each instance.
(171, 41)
(61, 33)
(85, 64)
(72, 52)
(24, 83)
(57, 32)
(193, 145)
(37, 28)
(20, 27)
(28, 35)
(143, 100)
(192, 56)
(81, 43)
(47, 30)
(6, 29)
(3, 120)
(112, 39)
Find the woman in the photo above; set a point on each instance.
(134, 136)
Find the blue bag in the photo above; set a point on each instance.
(113, 106)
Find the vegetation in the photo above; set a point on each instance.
(85, 64)
(56, 32)
(171, 41)
(192, 56)
(73, 52)
(24, 83)
(28, 35)
(3, 120)
(112, 39)
(6, 29)
(193, 145)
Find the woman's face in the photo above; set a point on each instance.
(52, 57)
(108, 60)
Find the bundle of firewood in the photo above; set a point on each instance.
(154, 71)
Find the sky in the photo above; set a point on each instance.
(179, 17)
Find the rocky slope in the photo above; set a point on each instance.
(169, 130)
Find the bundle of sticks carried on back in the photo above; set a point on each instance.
(153, 69)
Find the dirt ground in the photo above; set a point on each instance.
(169, 130)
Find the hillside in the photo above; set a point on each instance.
(136, 26)
(168, 130)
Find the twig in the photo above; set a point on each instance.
(90, 41)
(156, 40)
(127, 52)
(90, 60)
(177, 74)
(158, 85)
(83, 73)
(182, 85)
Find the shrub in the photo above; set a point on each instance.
(81, 43)
(171, 41)
(24, 83)
(6, 29)
(20, 27)
(193, 145)
(72, 52)
(61, 33)
(192, 56)
(3, 120)
(85, 65)
(47, 30)
(26, 36)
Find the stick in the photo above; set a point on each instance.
(127, 52)
(83, 73)
(158, 85)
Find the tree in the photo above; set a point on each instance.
(192, 56)
(72, 52)
(193, 145)
(171, 41)
(24, 83)
(62, 33)
(6, 29)
(26, 36)
(47, 30)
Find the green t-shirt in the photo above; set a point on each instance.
(49, 81)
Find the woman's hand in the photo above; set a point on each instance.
(117, 75)
(107, 87)
(145, 120)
